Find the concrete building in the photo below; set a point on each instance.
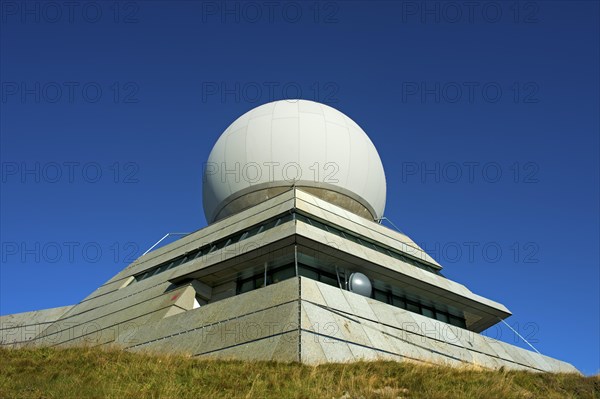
(293, 266)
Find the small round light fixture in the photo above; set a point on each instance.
(360, 284)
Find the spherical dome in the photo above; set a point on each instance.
(287, 143)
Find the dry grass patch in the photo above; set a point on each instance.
(94, 373)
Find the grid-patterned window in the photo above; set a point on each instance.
(365, 242)
(215, 246)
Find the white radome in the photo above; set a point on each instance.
(289, 143)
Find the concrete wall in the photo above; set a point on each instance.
(338, 325)
(295, 320)
(258, 325)
(23, 327)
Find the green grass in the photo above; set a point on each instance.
(94, 373)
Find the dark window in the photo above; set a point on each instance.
(308, 272)
(457, 321)
(399, 302)
(172, 265)
(330, 280)
(413, 307)
(246, 286)
(283, 273)
(441, 316)
(380, 295)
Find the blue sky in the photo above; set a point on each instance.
(485, 117)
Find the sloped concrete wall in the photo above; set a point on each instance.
(295, 320)
(257, 325)
(19, 328)
(339, 326)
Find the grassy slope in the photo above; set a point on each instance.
(87, 373)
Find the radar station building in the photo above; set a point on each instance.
(293, 266)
